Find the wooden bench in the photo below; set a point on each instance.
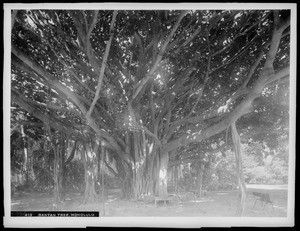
(262, 197)
(197, 193)
(169, 198)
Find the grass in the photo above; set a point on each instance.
(215, 204)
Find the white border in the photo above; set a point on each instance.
(178, 222)
(152, 6)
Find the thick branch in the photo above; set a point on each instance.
(93, 24)
(143, 82)
(72, 154)
(101, 75)
(242, 108)
(54, 123)
(13, 18)
(239, 35)
(253, 68)
(50, 80)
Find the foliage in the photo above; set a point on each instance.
(260, 166)
(43, 170)
(181, 77)
(74, 176)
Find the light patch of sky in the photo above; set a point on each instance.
(283, 57)
(159, 80)
(54, 91)
(70, 87)
(121, 85)
(225, 58)
(214, 145)
(30, 22)
(109, 92)
(159, 44)
(266, 91)
(237, 16)
(51, 21)
(130, 118)
(198, 91)
(125, 80)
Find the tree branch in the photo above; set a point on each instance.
(54, 123)
(240, 34)
(72, 154)
(253, 68)
(13, 18)
(143, 82)
(74, 98)
(236, 55)
(101, 75)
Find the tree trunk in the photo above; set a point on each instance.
(25, 163)
(162, 178)
(176, 179)
(58, 172)
(127, 185)
(239, 168)
(63, 167)
(142, 170)
(152, 171)
(137, 167)
(99, 160)
(200, 171)
(140, 155)
(90, 168)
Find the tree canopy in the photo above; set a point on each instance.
(180, 76)
(180, 79)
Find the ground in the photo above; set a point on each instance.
(215, 203)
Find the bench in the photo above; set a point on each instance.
(262, 197)
(197, 193)
(169, 198)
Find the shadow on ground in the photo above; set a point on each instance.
(215, 204)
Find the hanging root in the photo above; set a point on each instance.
(242, 187)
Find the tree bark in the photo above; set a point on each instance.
(267, 75)
(239, 168)
(58, 173)
(176, 180)
(103, 152)
(200, 171)
(13, 18)
(142, 169)
(162, 178)
(138, 167)
(25, 163)
(90, 166)
(127, 185)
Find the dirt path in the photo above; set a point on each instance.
(267, 187)
(217, 203)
